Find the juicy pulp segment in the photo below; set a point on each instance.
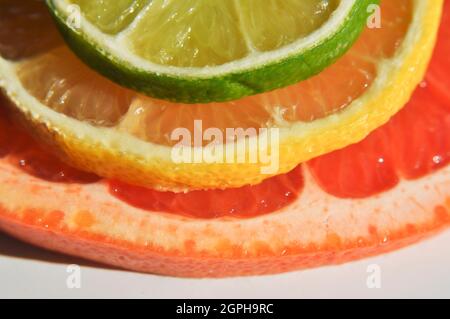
(270, 196)
(280, 22)
(61, 80)
(189, 33)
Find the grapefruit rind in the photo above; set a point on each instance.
(318, 229)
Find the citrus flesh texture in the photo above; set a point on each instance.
(206, 51)
(330, 221)
(307, 113)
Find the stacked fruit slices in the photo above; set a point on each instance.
(342, 202)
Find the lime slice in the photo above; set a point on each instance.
(200, 51)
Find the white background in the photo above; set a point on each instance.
(422, 270)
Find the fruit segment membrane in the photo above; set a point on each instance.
(198, 33)
(58, 79)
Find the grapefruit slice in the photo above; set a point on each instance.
(103, 128)
(327, 223)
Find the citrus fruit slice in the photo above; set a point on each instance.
(397, 196)
(195, 51)
(103, 128)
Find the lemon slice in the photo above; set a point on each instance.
(101, 127)
(209, 50)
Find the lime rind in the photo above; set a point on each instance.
(230, 81)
